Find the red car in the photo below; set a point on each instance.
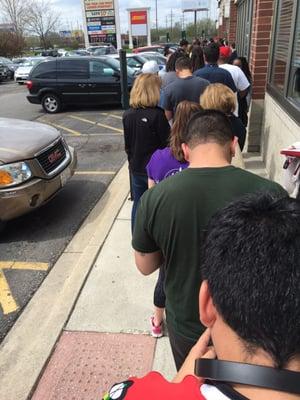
(158, 48)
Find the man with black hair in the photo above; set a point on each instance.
(183, 45)
(211, 71)
(250, 303)
(173, 216)
(184, 87)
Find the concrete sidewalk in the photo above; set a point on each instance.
(107, 336)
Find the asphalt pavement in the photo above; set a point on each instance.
(30, 245)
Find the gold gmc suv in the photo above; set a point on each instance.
(35, 163)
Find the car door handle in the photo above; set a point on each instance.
(82, 85)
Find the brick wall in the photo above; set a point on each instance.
(228, 28)
(233, 22)
(260, 45)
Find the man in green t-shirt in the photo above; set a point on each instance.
(172, 218)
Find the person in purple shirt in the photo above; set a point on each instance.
(164, 163)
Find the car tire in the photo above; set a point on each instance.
(51, 103)
(20, 83)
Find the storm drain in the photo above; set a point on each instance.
(85, 364)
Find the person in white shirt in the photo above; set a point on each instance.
(241, 82)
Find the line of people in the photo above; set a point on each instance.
(205, 223)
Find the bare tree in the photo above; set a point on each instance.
(16, 12)
(11, 44)
(43, 21)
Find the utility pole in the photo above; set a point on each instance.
(195, 22)
(156, 19)
(171, 21)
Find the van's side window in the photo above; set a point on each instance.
(45, 70)
(100, 69)
(73, 69)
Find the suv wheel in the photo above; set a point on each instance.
(51, 103)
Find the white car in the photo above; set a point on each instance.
(23, 71)
(134, 61)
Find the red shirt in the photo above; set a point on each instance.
(155, 386)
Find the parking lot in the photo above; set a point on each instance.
(30, 245)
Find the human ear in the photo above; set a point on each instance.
(233, 145)
(208, 312)
(186, 151)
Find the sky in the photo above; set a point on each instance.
(71, 15)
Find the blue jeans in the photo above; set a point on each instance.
(139, 186)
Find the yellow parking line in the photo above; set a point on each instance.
(34, 266)
(96, 123)
(82, 119)
(110, 127)
(112, 115)
(72, 131)
(7, 301)
(94, 173)
(97, 134)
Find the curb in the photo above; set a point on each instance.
(27, 347)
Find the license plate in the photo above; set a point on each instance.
(65, 176)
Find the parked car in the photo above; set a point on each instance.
(50, 53)
(3, 72)
(35, 163)
(102, 50)
(157, 48)
(134, 61)
(154, 56)
(23, 71)
(11, 67)
(62, 52)
(76, 53)
(76, 80)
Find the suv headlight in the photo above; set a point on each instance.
(14, 174)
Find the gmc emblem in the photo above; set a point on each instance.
(56, 155)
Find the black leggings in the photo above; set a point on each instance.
(159, 292)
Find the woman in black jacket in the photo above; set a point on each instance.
(146, 129)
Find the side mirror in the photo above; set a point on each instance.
(116, 74)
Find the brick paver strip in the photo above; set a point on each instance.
(85, 364)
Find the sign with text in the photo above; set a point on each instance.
(100, 13)
(100, 20)
(98, 5)
(138, 20)
(190, 5)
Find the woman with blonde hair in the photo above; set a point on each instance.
(220, 97)
(146, 129)
(164, 163)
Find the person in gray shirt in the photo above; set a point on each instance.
(169, 74)
(184, 87)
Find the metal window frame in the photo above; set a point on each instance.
(287, 102)
(292, 44)
(243, 14)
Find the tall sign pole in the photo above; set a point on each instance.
(118, 24)
(84, 25)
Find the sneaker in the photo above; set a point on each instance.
(156, 331)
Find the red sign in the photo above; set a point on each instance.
(138, 17)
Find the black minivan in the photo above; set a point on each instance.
(76, 80)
